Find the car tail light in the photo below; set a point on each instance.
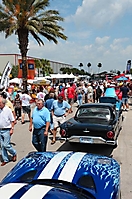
(63, 133)
(110, 134)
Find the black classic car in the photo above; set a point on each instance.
(97, 123)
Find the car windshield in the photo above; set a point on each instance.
(94, 112)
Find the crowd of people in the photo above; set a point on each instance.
(52, 104)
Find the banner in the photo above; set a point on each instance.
(6, 75)
(128, 67)
(30, 68)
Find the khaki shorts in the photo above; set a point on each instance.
(58, 120)
(90, 95)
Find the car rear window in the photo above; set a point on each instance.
(94, 112)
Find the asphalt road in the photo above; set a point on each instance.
(21, 141)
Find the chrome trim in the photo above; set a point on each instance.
(96, 140)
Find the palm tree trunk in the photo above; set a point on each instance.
(23, 44)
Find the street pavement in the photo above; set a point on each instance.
(21, 141)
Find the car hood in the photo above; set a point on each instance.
(69, 167)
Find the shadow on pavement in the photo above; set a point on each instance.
(95, 149)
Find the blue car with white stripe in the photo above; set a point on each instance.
(66, 175)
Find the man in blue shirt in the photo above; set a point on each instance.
(41, 121)
(48, 105)
(60, 109)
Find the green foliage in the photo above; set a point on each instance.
(24, 17)
(74, 71)
(131, 71)
(89, 65)
(43, 66)
(14, 71)
(99, 65)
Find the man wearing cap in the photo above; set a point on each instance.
(60, 109)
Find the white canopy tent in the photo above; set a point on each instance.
(15, 81)
(41, 81)
(60, 76)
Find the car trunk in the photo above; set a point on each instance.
(89, 127)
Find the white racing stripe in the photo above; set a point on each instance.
(37, 192)
(51, 167)
(70, 168)
(10, 189)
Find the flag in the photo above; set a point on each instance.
(6, 75)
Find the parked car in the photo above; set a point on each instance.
(67, 175)
(113, 97)
(97, 123)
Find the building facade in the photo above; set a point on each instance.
(13, 59)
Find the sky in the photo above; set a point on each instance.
(98, 31)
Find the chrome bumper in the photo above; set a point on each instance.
(88, 140)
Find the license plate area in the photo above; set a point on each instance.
(86, 140)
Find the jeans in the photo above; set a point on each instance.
(79, 99)
(5, 145)
(39, 140)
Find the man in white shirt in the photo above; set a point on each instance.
(26, 109)
(6, 130)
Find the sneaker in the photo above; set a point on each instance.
(14, 158)
(53, 142)
(3, 163)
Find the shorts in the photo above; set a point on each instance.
(58, 120)
(71, 101)
(26, 109)
(90, 95)
(125, 100)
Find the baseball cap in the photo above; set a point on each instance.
(4, 95)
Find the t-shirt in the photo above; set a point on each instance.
(41, 95)
(40, 117)
(59, 108)
(17, 103)
(25, 99)
(48, 103)
(124, 90)
(10, 105)
(6, 117)
(70, 93)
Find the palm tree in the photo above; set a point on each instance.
(99, 66)
(24, 17)
(38, 65)
(89, 65)
(45, 67)
(80, 65)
